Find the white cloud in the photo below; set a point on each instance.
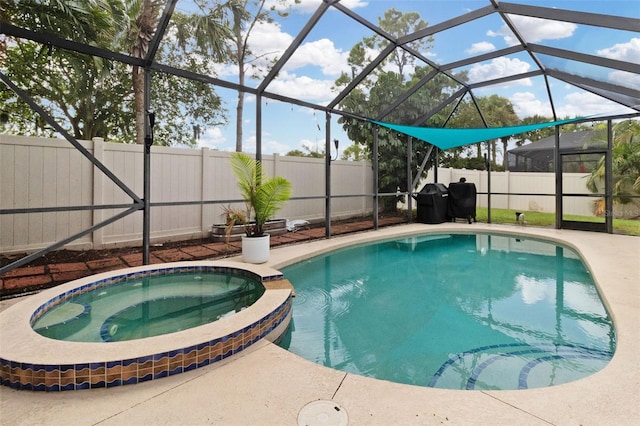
(212, 138)
(525, 104)
(625, 79)
(497, 68)
(310, 6)
(321, 53)
(629, 52)
(249, 144)
(354, 4)
(302, 87)
(267, 42)
(269, 145)
(275, 147)
(534, 30)
(480, 47)
(222, 70)
(268, 36)
(584, 104)
(311, 146)
(575, 104)
(533, 290)
(306, 6)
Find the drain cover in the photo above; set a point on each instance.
(322, 412)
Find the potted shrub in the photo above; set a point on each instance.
(263, 197)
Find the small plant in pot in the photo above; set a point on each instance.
(232, 217)
(263, 197)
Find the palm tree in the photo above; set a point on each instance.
(626, 165)
(144, 14)
(90, 22)
(537, 134)
(499, 111)
(240, 18)
(207, 30)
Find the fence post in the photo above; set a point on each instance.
(508, 191)
(204, 190)
(365, 182)
(276, 164)
(97, 236)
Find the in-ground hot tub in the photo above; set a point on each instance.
(31, 361)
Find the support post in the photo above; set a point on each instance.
(258, 127)
(375, 177)
(487, 163)
(148, 141)
(409, 179)
(436, 163)
(327, 176)
(557, 161)
(97, 237)
(608, 180)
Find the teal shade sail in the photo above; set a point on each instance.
(445, 138)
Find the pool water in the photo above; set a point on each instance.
(455, 311)
(149, 306)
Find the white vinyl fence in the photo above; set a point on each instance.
(523, 183)
(38, 172)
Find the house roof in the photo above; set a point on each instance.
(570, 140)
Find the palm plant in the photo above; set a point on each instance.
(207, 30)
(626, 165)
(263, 196)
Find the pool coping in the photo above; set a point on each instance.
(615, 268)
(59, 365)
(268, 385)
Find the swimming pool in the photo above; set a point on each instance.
(31, 361)
(456, 311)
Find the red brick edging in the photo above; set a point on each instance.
(33, 278)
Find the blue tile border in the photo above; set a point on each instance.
(538, 352)
(98, 375)
(134, 276)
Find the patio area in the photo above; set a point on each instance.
(267, 385)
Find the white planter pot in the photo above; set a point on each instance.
(255, 249)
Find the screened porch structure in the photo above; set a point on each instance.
(476, 47)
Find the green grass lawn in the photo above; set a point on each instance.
(620, 226)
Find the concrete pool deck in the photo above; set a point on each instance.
(266, 385)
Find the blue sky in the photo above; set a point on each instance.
(321, 58)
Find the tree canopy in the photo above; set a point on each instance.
(238, 19)
(391, 79)
(497, 111)
(91, 97)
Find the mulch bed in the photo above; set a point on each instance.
(68, 256)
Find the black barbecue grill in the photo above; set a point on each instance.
(462, 201)
(432, 203)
